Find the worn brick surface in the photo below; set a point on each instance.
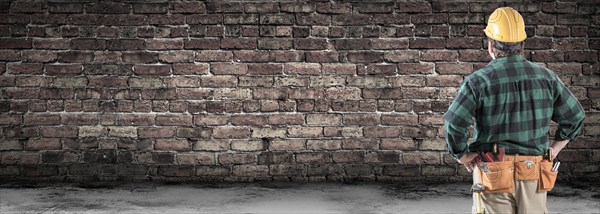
(261, 90)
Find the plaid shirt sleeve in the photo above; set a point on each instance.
(458, 118)
(568, 113)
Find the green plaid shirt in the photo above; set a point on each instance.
(512, 101)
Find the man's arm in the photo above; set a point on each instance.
(569, 115)
(458, 118)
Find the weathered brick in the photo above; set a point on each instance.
(92, 131)
(437, 170)
(173, 144)
(6, 144)
(41, 119)
(174, 120)
(231, 132)
(375, 131)
(323, 119)
(152, 70)
(24, 68)
(252, 145)
(59, 132)
(254, 120)
(123, 131)
(416, 68)
(421, 158)
(436, 145)
(79, 119)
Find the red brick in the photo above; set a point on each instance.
(59, 132)
(389, 44)
(313, 157)
(361, 119)
(11, 120)
(231, 132)
(152, 70)
(365, 57)
(88, 44)
(251, 56)
(348, 157)
(382, 93)
(240, 19)
(444, 81)
(24, 68)
(173, 145)
(352, 44)
(277, 19)
(352, 19)
(413, 7)
(429, 18)
(140, 57)
(6, 81)
(174, 120)
(398, 144)
(229, 68)
(43, 144)
(474, 56)
(205, 19)
(310, 44)
(421, 158)
(238, 43)
(581, 56)
(454, 68)
(150, 8)
(427, 43)
(136, 120)
(188, 7)
(399, 119)
(75, 56)
(253, 120)
(202, 44)
(190, 69)
(416, 68)
(125, 44)
(79, 119)
(383, 132)
(265, 69)
(539, 19)
(378, 69)
(334, 8)
(156, 132)
(66, 69)
(286, 119)
(402, 56)
(302, 68)
(164, 44)
(570, 44)
(10, 55)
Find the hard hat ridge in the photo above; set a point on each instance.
(506, 25)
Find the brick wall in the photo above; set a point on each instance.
(262, 90)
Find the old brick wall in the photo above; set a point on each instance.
(262, 90)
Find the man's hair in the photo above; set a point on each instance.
(505, 49)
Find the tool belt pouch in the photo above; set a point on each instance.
(527, 171)
(500, 177)
(547, 177)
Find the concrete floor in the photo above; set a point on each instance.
(266, 198)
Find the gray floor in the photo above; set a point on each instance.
(266, 198)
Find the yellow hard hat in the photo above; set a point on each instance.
(506, 25)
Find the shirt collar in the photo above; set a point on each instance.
(515, 58)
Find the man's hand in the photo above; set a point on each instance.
(467, 160)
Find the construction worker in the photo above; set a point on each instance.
(512, 102)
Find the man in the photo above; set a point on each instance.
(512, 102)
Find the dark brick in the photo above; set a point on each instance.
(107, 7)
(100, 156)
(52, 156)
(125, 44)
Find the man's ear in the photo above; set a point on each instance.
(491, 49)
